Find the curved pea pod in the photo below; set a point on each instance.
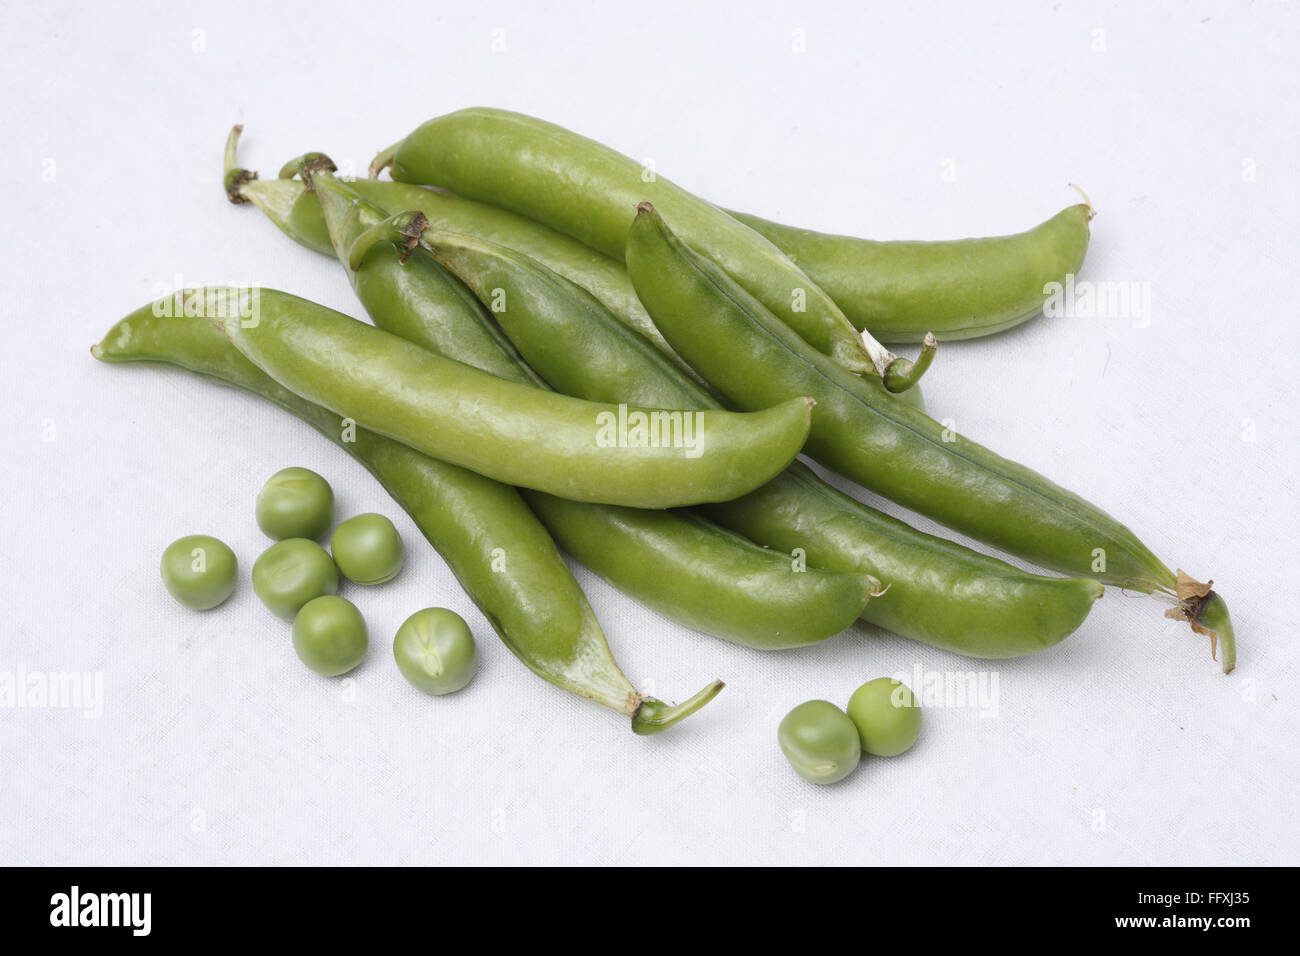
(955, 289)
(937, 591)
(673, 561)
(750, 356)
(588, 191)
(587, 451)
(712, 580)
(502, 556)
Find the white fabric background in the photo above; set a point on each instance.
(1124, 745)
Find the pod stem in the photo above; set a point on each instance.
(880, 357)
(233, 177)
(383, 160)
(654, 715)
(902, 374)
(402, 230)
(1205, 610)
(305, 165)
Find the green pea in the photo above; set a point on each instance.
(820, 741)
(329, 635)
(367, 549)
(199, 571)
(295, 503)
(887, 716)
(435, 651)
(290, 573)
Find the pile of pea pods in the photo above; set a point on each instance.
(569, 354)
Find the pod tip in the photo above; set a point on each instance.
(654, 716)
(1207, 613)
(383, 160)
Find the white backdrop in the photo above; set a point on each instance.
(214, 745)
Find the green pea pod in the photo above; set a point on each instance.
(957, 289)
(860, 430)
(493, 544)
(288, 204)
(650, 458)
(675, 562)
(693, 571)
(937, 591)
(588, 191)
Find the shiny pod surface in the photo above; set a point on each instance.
(585, 451)
(867, 435)
(705, 577)
(586, 190)
(937, 591)
(957, 289)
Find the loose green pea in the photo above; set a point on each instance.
(367, 549)
(435, 651)
(295, 503)
(199, 571)
(820, 741)
(290, 573)
(329, 635)
(887, 716)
